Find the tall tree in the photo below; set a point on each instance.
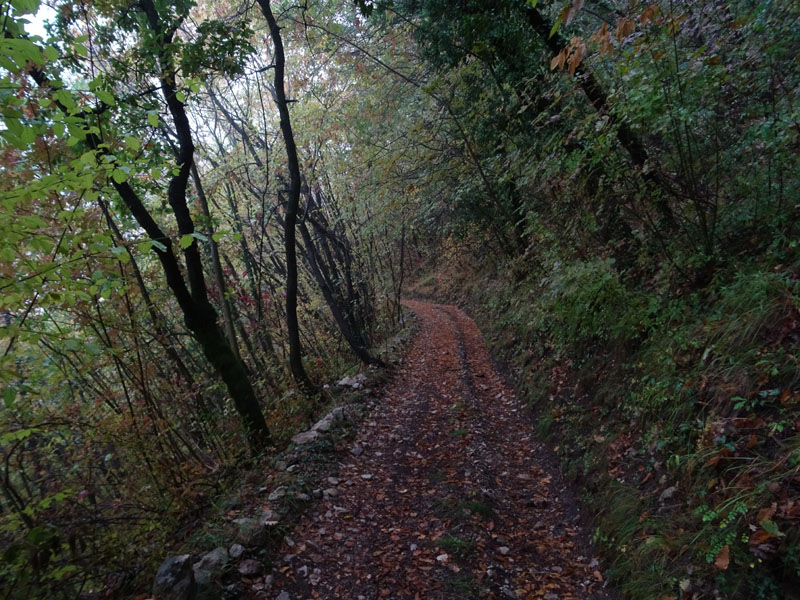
(292, 201)
(198, 312)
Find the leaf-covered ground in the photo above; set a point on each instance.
(445, 493)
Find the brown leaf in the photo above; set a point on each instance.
(723, 559)
(558, 60)
(648, 14)
(624, 28)
(766, 513)
(577, 5)
(761, 536)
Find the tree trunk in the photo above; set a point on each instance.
(293, 201)
(198, 313)
(599, 100)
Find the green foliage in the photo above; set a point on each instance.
(585, 302)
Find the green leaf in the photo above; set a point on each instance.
(9, 395)
(121, 254)
(556, 25)
(14, 436)
(106, 97)
(186, 240)
(218, 236)
(25, 7)
(81, 50)
(132, 143)
(771, 527)
(119, 176)
(152, 118)
(181, 97)
(158, 245)
(51, 53)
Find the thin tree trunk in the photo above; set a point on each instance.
(227, 319)
(290, 219)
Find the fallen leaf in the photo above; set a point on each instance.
(723, 559)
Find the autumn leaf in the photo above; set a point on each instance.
(723, 559)
(577, 5)
(558, 60)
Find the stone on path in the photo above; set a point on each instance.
(250, 567)
(175, 579)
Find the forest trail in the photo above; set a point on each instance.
(448, 498)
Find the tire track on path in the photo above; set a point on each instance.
(449, 498)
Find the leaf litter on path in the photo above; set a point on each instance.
(447, 496)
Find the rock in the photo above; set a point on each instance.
(667, 494)
(283, 596)
(442, 558)
(329, 493)
(210, 566)
(175, 579)
(326, 422)
(277, 493)
(269, 519)
(504, 550)
(302, 497)
(317, 493)
(346, 381)
(357, 450)
(508, 592)
(314, 578)
(236, 551)
(334, 480)
(366, 476)
(250, 568)
(250, 533)
(305, 437)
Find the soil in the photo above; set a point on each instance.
(448, 493)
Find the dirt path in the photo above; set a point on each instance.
(447, 499)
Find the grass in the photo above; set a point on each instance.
(454, 544)
(460, 510)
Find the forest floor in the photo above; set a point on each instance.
(449, 496)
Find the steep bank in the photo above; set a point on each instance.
(676, 412)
